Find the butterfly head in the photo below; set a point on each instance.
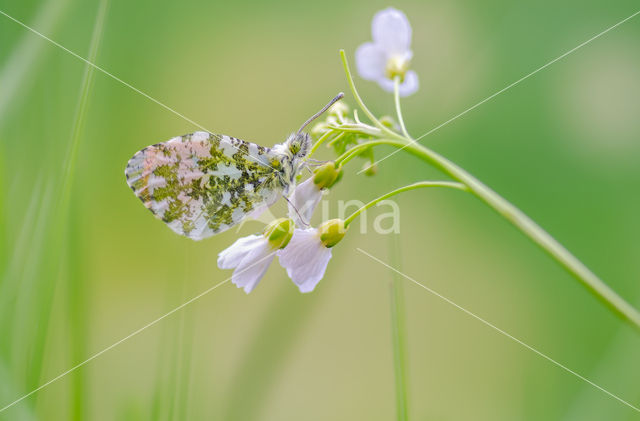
(298, 145)
(294, 148)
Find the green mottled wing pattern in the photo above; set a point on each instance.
(201, 184)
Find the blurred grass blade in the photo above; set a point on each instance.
(274, 341)
(398, 330)
(22, 61)
(173, 369)
(70, 213)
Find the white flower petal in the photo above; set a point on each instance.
(253, 267)
(231, 257)
(408, 86)
(305, 259)
(371, 61)
(304, 199)
(250, 258)
(391, 30)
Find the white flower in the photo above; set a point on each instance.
(305, 258)
(389, 54)
(307, 195)
(303, 201)
(250, 258)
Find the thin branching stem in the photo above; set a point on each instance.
(358, 149)
(504, 208)
(336, 139)
(396, 97)
(363, 107)
(320, 141)
(414, 186)
(521, 221)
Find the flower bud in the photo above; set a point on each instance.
(388, 121)
(279, 232)
(319, 129)
(331, 232)
(339, 109)
(340, 174)
(370, 169)
(323, 126)
(326, 175)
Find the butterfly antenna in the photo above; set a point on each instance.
(319, 113)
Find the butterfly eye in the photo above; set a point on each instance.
(294, 148)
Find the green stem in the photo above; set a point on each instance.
(363, 107)
(396, 97)
(320, 141)
(521, 221)
(422, 184)
(336, 139)
(347, 156)
(356, 150)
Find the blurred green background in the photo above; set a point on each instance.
(83, 264)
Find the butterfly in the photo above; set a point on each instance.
(202, 184)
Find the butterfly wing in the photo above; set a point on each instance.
(202, 184)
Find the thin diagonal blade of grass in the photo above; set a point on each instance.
(4, 241)
(162, 379)
(53, 239)
(619, 364)
(174, 367)
(183, 357)
(70, 212)
(26, 269)
(7, 389)
(160, 401)
(267, 352)
(181, 367)
(13, 260)
(12, 284)
(77, 294)
(22, 61)
(29, 317)
(168, 369)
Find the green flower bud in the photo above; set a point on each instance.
(370, 169)
(388, 121)
(339, 109)
(339, 177)
(326, 175)
(279, 232)
(319, 129)
(331, 232)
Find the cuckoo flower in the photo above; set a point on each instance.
(307, 194)
(389, 55)
(308, 254)
(251, 256)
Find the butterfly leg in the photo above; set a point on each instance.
(297, 211)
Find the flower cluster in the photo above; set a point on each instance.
(303, 251)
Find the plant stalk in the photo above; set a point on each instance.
(521, 221)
